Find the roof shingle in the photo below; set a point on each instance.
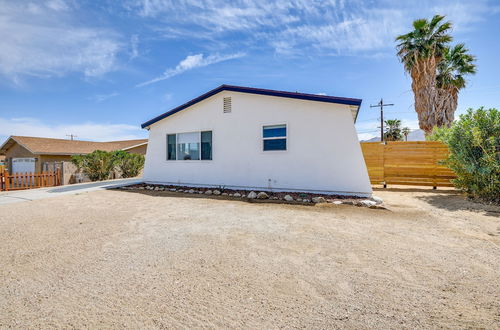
(38, 145)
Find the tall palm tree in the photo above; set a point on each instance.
(450, 79)
(392, 130)
(420, 51)
(406, 132)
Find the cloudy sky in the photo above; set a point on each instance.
(98, 69)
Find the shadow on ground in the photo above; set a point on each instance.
(454, 201)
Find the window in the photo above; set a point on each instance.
(274, 137)
(189, 146)
(171, 142)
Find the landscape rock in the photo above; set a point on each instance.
(157, 188)
(162, 188)
(252, 195)
(191, 191)
(237, 195)
(305, 200)
(288, 198)
(377, 200)
(224, 194)
(319, 199)
(262, 195)
(208, 192)
(216, 192)
(368, 203)
(348, 202)
(173, 189)
(337, 202)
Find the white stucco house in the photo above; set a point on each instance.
(259, 139)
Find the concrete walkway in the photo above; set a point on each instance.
(8, 197)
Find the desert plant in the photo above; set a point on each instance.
(420, 51)
(130, 165)
(393, 130)
(96, 165)
(474, 145)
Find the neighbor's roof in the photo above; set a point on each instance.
(260, 91)
(46, 146)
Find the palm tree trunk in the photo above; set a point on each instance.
(446, 105)
(423, 84)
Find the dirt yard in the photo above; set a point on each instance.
(125, 259)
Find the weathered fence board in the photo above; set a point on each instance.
(407, 163)
(18, 181)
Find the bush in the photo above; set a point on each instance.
(474, 145)
(99, 164)
(96, 165)
(130, 165)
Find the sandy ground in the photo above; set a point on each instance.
(123, 259)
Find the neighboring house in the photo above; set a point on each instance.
(249, 138)
(30, 154)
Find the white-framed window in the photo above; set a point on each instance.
(189, 146)
(274, 137)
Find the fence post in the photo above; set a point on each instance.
(384, 145)
(435, 168)
(6, 178)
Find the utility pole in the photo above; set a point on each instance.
(381, 105)
(71, 136)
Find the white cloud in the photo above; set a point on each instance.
(40, 39)
(302, 26)
(103, 97)
(192, 62)
(134, 45)
(84, 131)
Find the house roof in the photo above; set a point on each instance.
(46, 146)
(260, 91)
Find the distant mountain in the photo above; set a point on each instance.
(416, 135)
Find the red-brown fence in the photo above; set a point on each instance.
(407, 163)
(29, 180)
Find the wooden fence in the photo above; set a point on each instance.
(407, 163)
(18, 181)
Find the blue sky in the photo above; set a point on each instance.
(98, 69)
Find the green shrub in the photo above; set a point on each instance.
(96, 165)
(130, 165)
(474, 145)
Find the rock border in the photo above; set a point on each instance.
(285, 197)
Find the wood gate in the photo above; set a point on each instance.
(407, 163)
(31, 180)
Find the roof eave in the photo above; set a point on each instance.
(250, 90)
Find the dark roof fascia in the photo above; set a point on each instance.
(250, 90)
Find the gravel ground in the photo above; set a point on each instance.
(125, 259)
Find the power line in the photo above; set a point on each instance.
(71, 136)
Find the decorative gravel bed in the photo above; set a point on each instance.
(287, 197)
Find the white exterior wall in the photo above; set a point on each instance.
(323, 153)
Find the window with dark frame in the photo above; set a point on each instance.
(274, 137)
(189, 146)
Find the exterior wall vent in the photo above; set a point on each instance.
(227, 105)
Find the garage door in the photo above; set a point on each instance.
(23, 165)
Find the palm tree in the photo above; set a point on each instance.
(450, 79)
(392, 130)
(406, 131)
(420, 51)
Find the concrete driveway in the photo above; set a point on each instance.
(8, 197)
